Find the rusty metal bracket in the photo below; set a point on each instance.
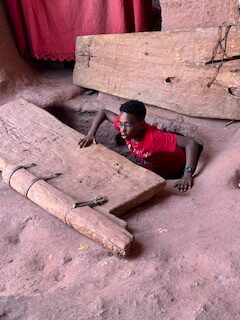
(96, 201)
(18, 168)
(41, 178)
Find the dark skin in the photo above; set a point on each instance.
(133, 128)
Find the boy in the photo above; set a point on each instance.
(167, 154)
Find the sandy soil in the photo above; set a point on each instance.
(186, 260)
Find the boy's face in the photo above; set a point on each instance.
(130, 126)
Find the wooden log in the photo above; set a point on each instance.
(171, 69)
(8, 170)
(85, 220)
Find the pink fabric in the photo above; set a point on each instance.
(157, 151)
(47, 29)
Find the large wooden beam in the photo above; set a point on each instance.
(175, 70)
(29, 134)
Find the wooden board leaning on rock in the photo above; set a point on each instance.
(32, 135)
(171, 69)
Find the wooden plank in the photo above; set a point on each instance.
(168, 69)
(30, 134)
(86, 220)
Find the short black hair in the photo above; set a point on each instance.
(135, 107)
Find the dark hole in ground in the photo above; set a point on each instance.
(234, 91)
(235, 180)
(81, 121)
(169, 79)
(3, 316)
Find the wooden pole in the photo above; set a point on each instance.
(107, 231)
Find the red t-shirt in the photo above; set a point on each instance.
(157, 151)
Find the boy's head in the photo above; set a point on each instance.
(131, 119)
(134, 107)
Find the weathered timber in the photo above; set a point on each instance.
(32, 135)
(171, 69)
(86, 220)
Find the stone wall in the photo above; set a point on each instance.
(14, 72)
(188, 14)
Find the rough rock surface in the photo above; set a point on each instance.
(189, 14)
(14, 72)
(18, 78)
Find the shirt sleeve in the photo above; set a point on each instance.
(164, 141)
(116, 123)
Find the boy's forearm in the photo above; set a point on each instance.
(191, 150)
(98, 120)
(100, 117)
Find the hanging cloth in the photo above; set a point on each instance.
(47, 29)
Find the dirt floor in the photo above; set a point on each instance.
(186, 261)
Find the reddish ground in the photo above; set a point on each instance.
(186, 261)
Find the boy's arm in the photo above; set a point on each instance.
(100, 117)
(191, 150)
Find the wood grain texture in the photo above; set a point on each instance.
(32, 135)
(168, 69)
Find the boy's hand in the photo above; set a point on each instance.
(87, 141)
(185, 183)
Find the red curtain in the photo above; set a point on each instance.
(47, 29)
